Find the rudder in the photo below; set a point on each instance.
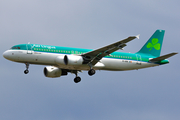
(154, 44)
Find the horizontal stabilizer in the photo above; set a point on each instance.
(162, 57)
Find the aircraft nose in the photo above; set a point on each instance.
(6, 54)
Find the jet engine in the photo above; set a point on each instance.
(73, 60)
(69, 60)
(54, 72)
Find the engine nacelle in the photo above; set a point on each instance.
(54, 72)
(73, 60)
(60, 60)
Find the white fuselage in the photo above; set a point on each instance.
(43, 58)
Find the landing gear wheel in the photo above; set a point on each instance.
(27, 67)
(77, 79)
(26, 71)
(91, 72)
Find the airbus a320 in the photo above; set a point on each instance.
(63, 60)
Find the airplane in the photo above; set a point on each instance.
(63, 60)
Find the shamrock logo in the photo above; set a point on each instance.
(154, 44)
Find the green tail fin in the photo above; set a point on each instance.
(154, 44)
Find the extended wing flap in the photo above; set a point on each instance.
(163, 57)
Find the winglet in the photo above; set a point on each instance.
(137, 36)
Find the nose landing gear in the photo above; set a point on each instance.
(26, 71)
(27, 67)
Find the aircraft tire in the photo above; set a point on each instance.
(91, 72)
(77, 79)
(26, 71)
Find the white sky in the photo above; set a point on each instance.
(146, 94)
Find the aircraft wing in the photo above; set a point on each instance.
(94, 56)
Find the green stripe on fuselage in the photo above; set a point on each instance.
(68, 50)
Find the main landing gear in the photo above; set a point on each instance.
(77, 79)
(27, 67)
(91, 72)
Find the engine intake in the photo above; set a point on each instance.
(54, 72)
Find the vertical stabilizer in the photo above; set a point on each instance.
(154, 44)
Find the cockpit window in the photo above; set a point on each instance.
(15, 48)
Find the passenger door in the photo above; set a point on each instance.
(29, 48)
(138, 59)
